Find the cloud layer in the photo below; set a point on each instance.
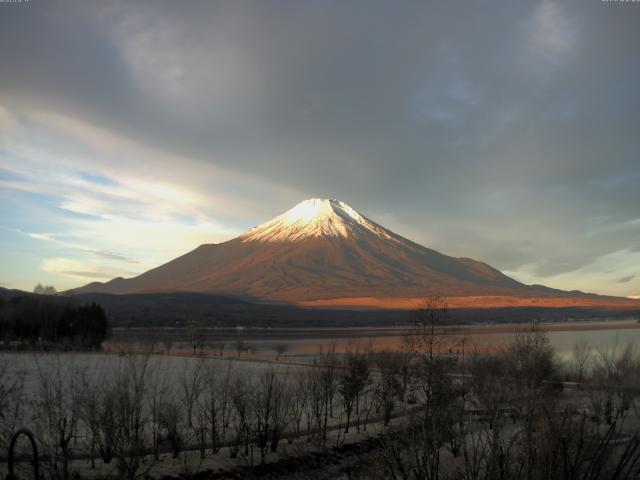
(503, 131)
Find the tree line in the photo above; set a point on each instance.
(42, 321)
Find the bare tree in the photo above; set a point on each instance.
(531, 358)
(190, 385)
(582, 355)
(197, 338)
(490, 393)
(56, 409)
(280, 412)
(366, 405)
(11, 400)
(428, 342)
(241, 347)
(617, 373)
(89, 413)
(321, 385)
(316, 404)
(217, 401)
(352, 381)
(270, 405)
(218, 346)
(388, 386)
(280, 349)
(107, 423)
(299, 399)
(128, 394)
(170, 420)
(242, 404)
(214, 403)
(157, 392)
(327, 380)
(427, 336)
(196, 391)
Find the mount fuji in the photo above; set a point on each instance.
(324, 253)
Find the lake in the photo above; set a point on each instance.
(305, 342)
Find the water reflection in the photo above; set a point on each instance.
(305, 342)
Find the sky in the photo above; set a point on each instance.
(502, 130)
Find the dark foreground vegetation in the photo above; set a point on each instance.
(48, 322)
(508, 415)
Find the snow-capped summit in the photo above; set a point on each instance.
(316, 217)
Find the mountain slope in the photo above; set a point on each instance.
(322, 250)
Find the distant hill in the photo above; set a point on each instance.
(6, 293)
(180, 310)
(184, 309)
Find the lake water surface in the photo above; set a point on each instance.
(305, 342)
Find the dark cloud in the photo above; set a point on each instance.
(88, 274)
(505, 131)
(626, 279)
(109, 255)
